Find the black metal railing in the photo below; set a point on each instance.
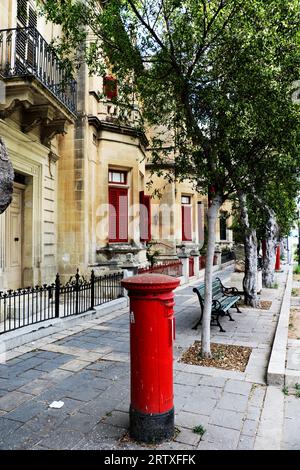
(24, 307)
(227, 256)
(24, 52)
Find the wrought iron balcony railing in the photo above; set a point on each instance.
(24, 52)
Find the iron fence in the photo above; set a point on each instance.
(227, 256)
(171, 269)
(22, 307)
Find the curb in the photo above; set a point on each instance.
(276, 367)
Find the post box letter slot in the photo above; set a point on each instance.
(169, 308)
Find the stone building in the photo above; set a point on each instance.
(34, 108)
(81, 167)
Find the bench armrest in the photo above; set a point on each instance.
(227, 290)
(230, 290)
(216, 305)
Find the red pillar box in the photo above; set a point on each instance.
(152, 331)
(277, 265)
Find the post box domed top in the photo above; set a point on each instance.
(151, 282)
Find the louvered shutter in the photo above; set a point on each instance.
(113, 214)
(32, 39)
(200, 223)
(32, 18)
(21, 42)
(22, 14)
(223, 227)
(123, 215)
(147, 203)
(186, 220)
(118, 215)
(145, 217)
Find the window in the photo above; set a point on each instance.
(185, 200)
(118, 215)
(223, 227)
(186, 218)
(119, 177)
(145, 217)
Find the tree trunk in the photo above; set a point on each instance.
(250, 278)
(271, 241)
(250, 244)
(212, 217)
(6, 178)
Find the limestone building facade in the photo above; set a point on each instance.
(34, 109)
(81, 168)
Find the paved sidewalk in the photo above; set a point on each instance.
(291, 428)
(87, 367)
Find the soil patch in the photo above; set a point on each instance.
(296, 277)
(263, 305)
(296, 292)
(225, 356)
(294, 325)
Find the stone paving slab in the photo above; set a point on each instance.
(270, 427)
(92, 378)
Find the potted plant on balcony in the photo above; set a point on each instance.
(110, 87)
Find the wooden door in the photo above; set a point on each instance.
(14, 235)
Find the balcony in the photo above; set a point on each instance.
(119, 117)
(25, 57)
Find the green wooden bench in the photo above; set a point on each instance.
(223, 298)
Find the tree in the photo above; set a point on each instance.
(268, 216)
(206, 71)
(6, 178)
(278, 214)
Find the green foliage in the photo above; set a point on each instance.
(216, 75)
(285, 390)
(151, 255)
(215, 78)
(199, 430)
(297, 269)
(297, 386)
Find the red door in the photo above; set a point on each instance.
(118, 215)
(191, 267)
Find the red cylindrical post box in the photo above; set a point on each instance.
(152, 330)
(277, 264)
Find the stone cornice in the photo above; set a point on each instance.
(118, 129)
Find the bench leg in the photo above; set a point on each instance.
(198, 322)
(219, 325)
(230, 317)
(237, 307)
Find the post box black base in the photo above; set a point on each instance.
(151, 428)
